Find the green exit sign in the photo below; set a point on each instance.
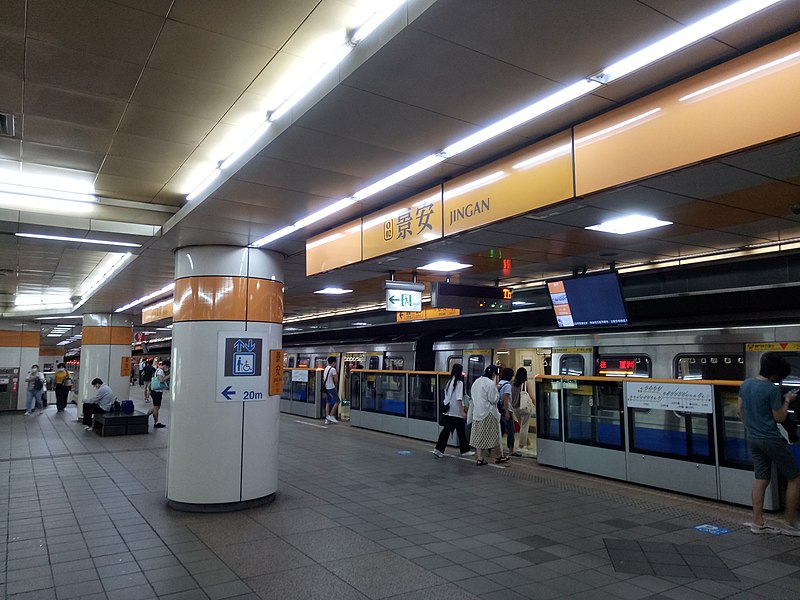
(403, 301)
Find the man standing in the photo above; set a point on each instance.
(147, 376)
(761, 408)
(330, 381)
(100, 404)
(35, 381)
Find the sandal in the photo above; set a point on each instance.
(480, 463)
(502, 459)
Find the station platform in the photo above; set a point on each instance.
(358, 515)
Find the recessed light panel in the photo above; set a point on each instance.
(629, 224)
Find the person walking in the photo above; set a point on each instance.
(761, 408)
(36, 385)
(330, 381)
(485, 417)
(455, 419)
(522, 410)
(63, 386)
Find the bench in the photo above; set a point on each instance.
(120, 423)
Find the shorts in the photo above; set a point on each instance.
(333, 396)
(156, 396)
(768, 451)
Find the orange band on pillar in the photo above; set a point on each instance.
(19, 339)
(51, 352)
(264, 301)
(228, 299)
(106, 336)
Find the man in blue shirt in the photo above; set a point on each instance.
(761, 408)
(100, 404)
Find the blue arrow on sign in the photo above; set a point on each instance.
(250, 345)
(228, 392)
(238, 345)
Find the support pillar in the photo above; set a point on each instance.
(105, 353)
(19, 349)
(227, 317)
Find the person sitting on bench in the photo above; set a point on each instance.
(100, 404)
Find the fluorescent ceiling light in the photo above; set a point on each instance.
(274, 236)
(39, 299)
(59, 318)
(22, 202)
(741, 76)
(93, 285)
(79, 240)
(445, 266)
(251, 141)
(150, 296)
(333, 291)
(309, 85)
(51, 306)
(629, 224)
(360, 324)
(159, 304)
(683, 38)
(401, 175)
(50, 194)
(204, 185)
(360, 34)
(325, 212)
(545, 105)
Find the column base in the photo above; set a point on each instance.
(221, 506)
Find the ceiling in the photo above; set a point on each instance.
(139, 97)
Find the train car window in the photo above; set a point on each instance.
(292, 360)
(475, 368)
(451, 360)
(303, 361)
(320, 362)
(632, 365)
(374, 363)
(571, 364)
(709, 366)
(793, 358)
(394, 363)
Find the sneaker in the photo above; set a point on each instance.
(791, 530)
(517, 454)
(327, 419)
(768, 529)
(27, 412)
(333, 420)
(468, 453)
(437, 453)
(88, 428)
(159, 426)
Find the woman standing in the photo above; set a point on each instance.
(485, 417)
(522, 410)
(454, 419)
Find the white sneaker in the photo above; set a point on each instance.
(468, 453)
(437, 453)
(764, 529)
(27, 412)
(328, 420)
(791, 530)
(332, 419)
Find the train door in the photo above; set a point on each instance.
(350, 361)
(475, 364)
(572, 361)
(289, 360)
(374, 363)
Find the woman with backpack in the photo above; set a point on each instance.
(455, 418)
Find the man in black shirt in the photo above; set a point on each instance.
(147, 376)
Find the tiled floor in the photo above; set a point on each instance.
(358, 515)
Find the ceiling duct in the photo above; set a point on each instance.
(6, 124)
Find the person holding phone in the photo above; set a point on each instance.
(761, 407)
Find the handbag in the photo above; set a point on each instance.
(525, 400)
(115, 406)
(155, 384)
(126, 406)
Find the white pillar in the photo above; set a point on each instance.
(105, 354)
(223, 450)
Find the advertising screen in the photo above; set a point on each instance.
(588, 301)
